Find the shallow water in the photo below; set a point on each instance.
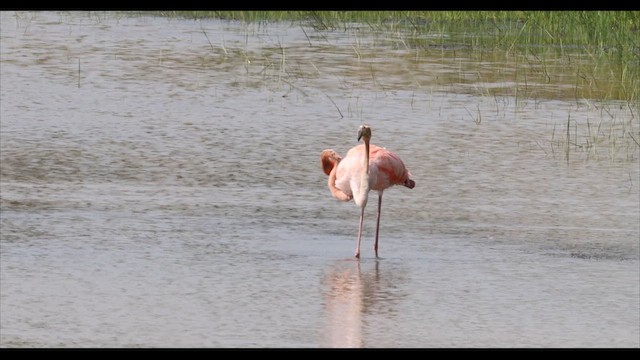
(162, 188)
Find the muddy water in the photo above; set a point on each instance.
(160, 187)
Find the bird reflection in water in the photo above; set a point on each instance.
(351, 290)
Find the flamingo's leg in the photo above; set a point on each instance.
(375, 245)
(360, 233)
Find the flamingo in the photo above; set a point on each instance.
(366, 167)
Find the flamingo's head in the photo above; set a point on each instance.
(409, 183)
(329, 159)
(364, 131)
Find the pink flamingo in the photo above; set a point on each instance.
(366, 167)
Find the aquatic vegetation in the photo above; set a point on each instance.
(590, 57)
(602, 46)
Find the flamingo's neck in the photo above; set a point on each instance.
(361, 191)
(366, 155)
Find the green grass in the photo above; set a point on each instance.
(608, 39)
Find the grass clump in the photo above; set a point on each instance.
(609, 40)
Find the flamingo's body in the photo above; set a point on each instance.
(366, 167)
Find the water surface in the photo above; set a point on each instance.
(162, 188)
